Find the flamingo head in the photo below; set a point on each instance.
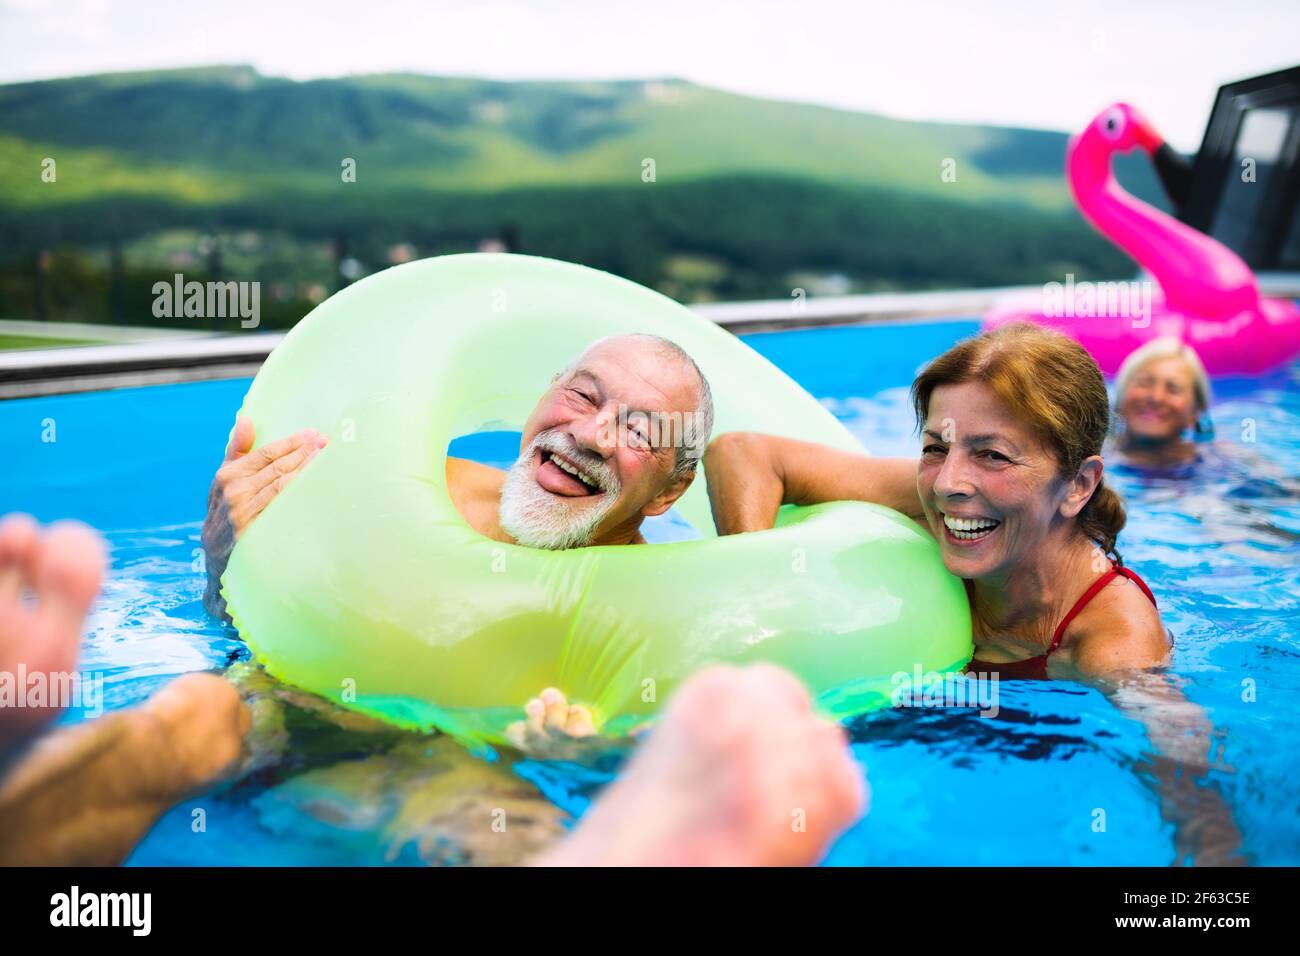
(1120, 127)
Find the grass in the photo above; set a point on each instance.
(205, 138)
(38, 342)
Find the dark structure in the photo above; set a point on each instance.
(1243, 187)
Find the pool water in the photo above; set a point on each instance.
(1219, 547)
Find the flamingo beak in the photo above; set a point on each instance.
(1145, 134)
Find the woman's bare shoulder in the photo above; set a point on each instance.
(1120, 629)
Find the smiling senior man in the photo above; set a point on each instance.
(615, 439)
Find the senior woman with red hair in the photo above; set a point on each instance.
(1010, 482)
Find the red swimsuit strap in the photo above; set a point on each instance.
(1115, 571)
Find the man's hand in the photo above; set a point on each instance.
(245, 484)
(249, 480)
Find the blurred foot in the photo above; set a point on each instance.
(48, 580)
(550, 724)
(197, 725)
(739, 772)
(85, 795)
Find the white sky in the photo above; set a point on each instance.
(1011, 62)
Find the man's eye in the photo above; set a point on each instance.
(994, 455)
(933, 450)
(637, 432)
(582, 395)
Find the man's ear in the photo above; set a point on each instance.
(1082, 486)
(666, 498)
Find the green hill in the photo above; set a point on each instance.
(559, 167)
(181, 134)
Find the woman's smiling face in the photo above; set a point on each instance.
(1159, 404)
(991, 490)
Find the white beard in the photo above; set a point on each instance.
(538, 519)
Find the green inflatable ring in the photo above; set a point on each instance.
(362, 584)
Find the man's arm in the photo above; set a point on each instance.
(218, 540)
(751, 475)
(245, 484)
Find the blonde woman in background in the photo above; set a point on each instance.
(1162, 402)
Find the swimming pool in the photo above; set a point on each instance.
(1219, 548)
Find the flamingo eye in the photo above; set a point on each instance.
(1112, 123)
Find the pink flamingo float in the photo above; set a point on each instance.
(1203, 293)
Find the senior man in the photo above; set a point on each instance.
(615, 439)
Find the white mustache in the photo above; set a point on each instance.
(538, 519)
(592, 465)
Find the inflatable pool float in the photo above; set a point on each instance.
(362, 584)
(1203, 293)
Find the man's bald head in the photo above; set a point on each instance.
(675, 359)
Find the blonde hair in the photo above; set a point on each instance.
(1053, 383)
(1163, 348)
